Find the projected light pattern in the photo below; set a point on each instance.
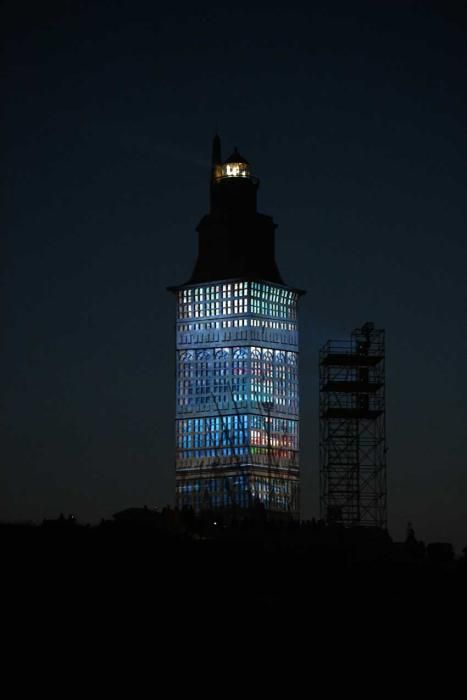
(247, 375)
(237, 396)
(236, 491)
(235, 435)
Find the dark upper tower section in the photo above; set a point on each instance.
(234, 239)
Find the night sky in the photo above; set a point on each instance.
(352, 114)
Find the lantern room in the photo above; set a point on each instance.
(235, 166)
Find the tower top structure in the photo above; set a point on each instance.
(235, 240)
(233, 188)
(235, 166)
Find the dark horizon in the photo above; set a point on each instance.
(353, 118)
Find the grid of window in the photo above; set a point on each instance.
(213, 300)
(279, 493)
(240, 369)
(212, 436)
(236, 490)
(268, 300)
(274, 378)
(234, 435)
(214, 378)
(273, 325)
(235, 298)
(237, 323)
(212, 493)
(274, 437)
(234, 330)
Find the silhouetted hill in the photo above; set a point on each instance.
(145, 567)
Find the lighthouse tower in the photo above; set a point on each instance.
(237, 389)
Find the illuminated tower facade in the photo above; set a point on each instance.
(237, 392)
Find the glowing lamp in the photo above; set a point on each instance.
(235, 170)
(235, 166)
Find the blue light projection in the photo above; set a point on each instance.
(237, 395)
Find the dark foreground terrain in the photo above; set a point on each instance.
(160, 571)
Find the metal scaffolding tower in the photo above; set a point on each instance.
(352, 429)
